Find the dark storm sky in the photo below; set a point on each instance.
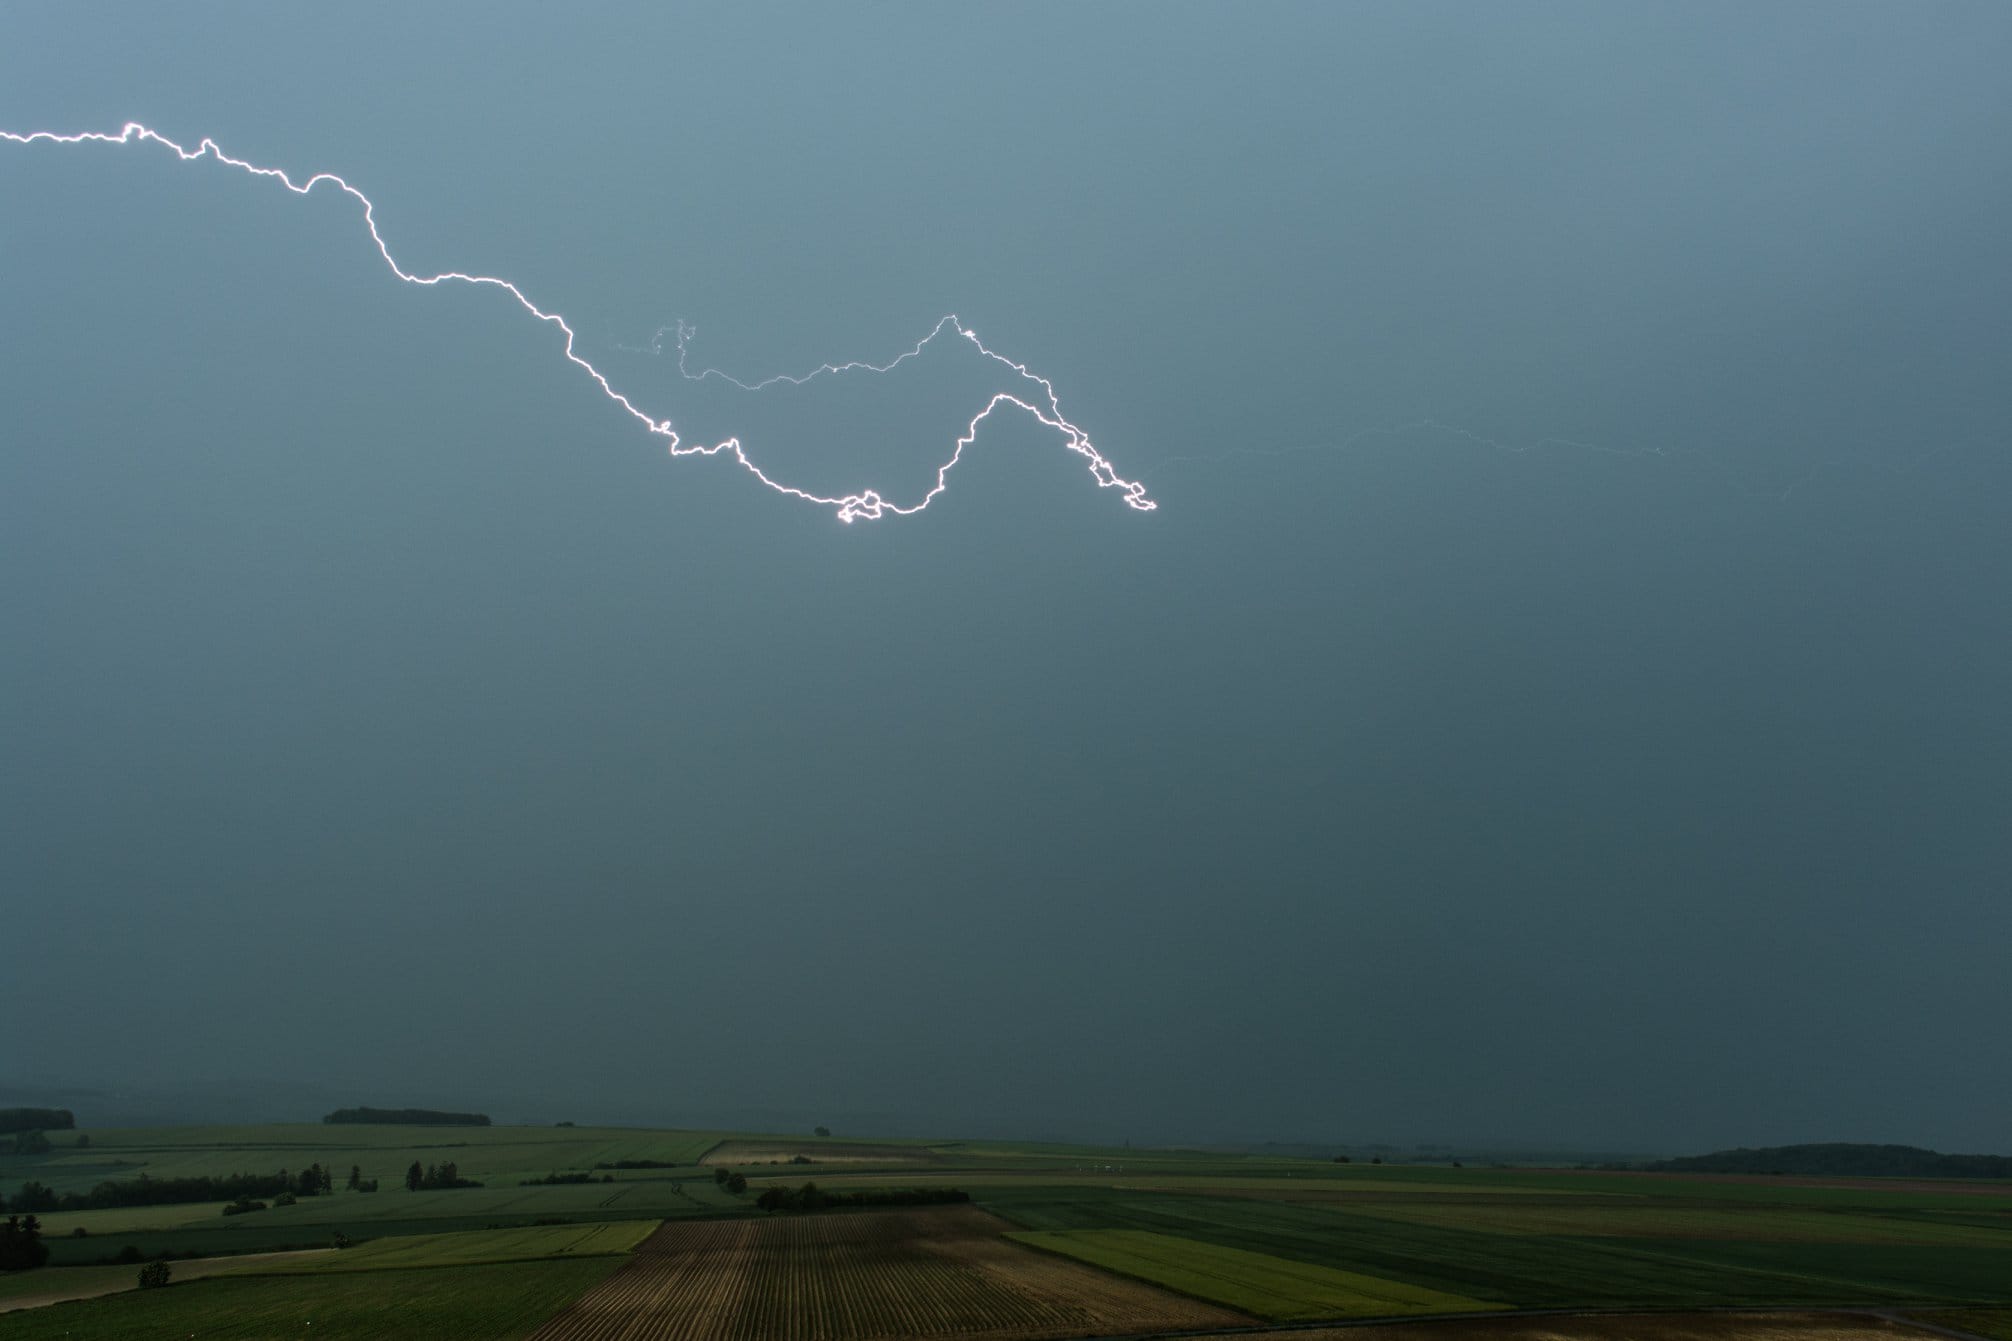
(380, 709)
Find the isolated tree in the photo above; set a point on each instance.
(415, 1177)
(21, 1246)
(737, 1183)
(153, 1275)
(84, 1142)
(355, 1177)
(824, 1131)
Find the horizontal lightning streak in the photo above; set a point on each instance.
(867, 504)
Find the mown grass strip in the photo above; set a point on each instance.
(1276, 1288)
(471, 1247)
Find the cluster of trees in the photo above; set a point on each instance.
(561, 1179)
(30, 1143)
(407, 1117)
(735, 1183)
(21, 1246)
(637, 1164)
(435, 1177)
(36, 1119)
(811, 1197)
(357, 1182)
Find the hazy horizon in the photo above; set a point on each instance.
(1560, 699)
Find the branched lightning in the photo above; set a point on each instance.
(865, 504)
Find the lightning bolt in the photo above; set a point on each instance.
(1038, 397)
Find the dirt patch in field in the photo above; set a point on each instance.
(862, 1276)
(1637, 1327)
(747, 1154)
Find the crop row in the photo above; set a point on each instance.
(851, 1277)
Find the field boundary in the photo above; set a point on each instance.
(1258, 1326)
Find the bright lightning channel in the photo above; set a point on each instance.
(865, 505)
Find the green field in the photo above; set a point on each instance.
(15, 1284)
(1545, 1270)
(1283, 1238)
(471, 1247)
(492, 1302)
(1274, 1288)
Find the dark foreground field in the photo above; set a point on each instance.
(639, 1238)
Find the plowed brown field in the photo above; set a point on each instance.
(937, 1272)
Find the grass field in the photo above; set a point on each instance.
(20, 1284)
(491, 1302)
(1274, 1288)
(470, 1247)
(1687, 1220)
(1543, 1270)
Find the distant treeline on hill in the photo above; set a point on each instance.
(1861, 1161)
(408, 1117)
(36, 1119)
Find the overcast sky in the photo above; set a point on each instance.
(1561, 697)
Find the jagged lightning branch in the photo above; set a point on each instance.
(867, 504)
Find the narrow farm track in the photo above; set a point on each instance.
(863, 1276)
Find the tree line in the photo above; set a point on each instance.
(407, 1117)
(1838, 1157)
(811, 1197)
(149, 1191)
